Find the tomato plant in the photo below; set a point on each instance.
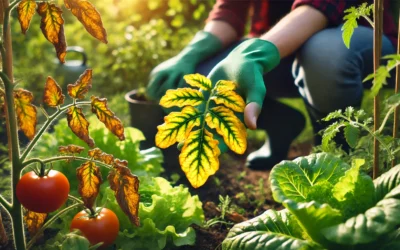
(102, 226)
(43, 194)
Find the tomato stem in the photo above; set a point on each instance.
(5, 203)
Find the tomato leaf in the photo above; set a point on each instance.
(70, 149)
(79, 89)
(53, 95)
(26, 10)
(126, 189)
(106, 116)
(26, 112)
(34, 221)
(89, 17)
(182, 97)
(230, 99)
(223, 85)
(199, 157)
(198, 81)
(229, 127)
(97, 154)
(79, 125)
(177, 126)
(52, 26)
(89, 177)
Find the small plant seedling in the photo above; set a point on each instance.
(191, 127)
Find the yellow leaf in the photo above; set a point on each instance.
(230, 99)
(53, 96)
(126, 189)
(106, 116)
(182, 97)
(199, 157)
(26, 10)
(177, 126)
(89, 17)
(79, 125)
(52, 26)
(229, 127)
(26, 112)
(34, 221)
(198, 81)
(223, 85)
(81, 86)
(70, 149)
(89, 178)
(97, 154)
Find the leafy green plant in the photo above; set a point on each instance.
(21, 114)
(200, 151)
(329, 205)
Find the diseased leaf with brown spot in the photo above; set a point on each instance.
(52, 26)
(121, 163)
(53, 95)
(34, 221)
(89, 178)
(97, 154)
(26, 10)
(126, 187)
(79, 125)
(70, 149)
(89, 17)
(106, 116)
(26, 112)
(79, 89)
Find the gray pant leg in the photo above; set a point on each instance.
(329, 76)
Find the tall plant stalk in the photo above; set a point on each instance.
(378, 30)
(396, 111)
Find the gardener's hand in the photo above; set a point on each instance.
(169, 74)
(246, 65)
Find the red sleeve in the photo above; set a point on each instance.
(332, 9)
(233, 12)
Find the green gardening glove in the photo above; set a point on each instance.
(169, 74)
(246, 65)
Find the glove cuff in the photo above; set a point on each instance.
(202, 46)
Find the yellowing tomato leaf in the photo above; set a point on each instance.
(230, 99)
(89, 17)
(97, 154)
(79, 89)
(177, 126)
(223, 85)
(26, 10)
(34, 221)
(89, 178)
(52, 26)
(53, 95)
(70, 149)
(229, 127)
(199, 157)
(198, 81)
(182, 97)
(106, 116)
(26, 112)
(126, 189)
(79, 125)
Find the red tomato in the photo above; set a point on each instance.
(102, 228)
(43, 194)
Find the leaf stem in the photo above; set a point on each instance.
(49, 222)
(386, 118)
(5, 203)
(71, 197)
(369, 21)
(45, 127)
(61, 158)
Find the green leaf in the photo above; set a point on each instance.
(333, 115)
(330, 133)
(351, 133)
(296, 180)
(273, 230)
(380, 78)
(350, 20)
(393, 100)
(387, 182)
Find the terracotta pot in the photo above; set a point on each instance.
(146, 116)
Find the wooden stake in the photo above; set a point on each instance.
(396, 91)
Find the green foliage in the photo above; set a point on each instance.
(364, 10)
(351, 211)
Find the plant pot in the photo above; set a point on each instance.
(146, 116)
